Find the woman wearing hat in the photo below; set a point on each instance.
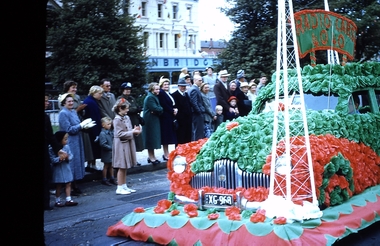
(151, 129)
(70, 86)
(133, 113)
(69, 122)
(168, 134)
(244, 104)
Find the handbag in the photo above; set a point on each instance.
(175, 124)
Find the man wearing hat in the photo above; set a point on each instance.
(240, 77)
(184, 115)
(183, 73)
(222, 93)
(107, 100)
(244, 105)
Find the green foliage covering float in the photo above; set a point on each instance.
(250, 143)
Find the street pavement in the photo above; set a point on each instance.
(141, 158)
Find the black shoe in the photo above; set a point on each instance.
(163, 157)
(113, 181)
(149, 161)
(156, 162)
(138, 164)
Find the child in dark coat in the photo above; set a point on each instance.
(106, 142)
(219, 117)
(61, 170)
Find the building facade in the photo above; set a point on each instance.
(171, 36)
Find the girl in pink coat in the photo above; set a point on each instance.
(123, 149)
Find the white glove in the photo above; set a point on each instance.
(89, 125)
(85, 122)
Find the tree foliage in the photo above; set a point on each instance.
(91, 40)
(254, 41)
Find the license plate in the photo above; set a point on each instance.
(218, 200)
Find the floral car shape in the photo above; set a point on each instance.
(344, 140)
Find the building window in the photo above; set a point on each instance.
(175, 11)
(159, 9)
(161, 41)
(143, 8)
(176, 39)
(146, 39)
(191, 42)
(188, 13)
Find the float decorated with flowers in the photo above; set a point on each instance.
(219, 187)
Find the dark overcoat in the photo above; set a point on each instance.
(184, 116)
(92, 111)
(222, 95)
(168, 134)
(106, 142)
(151, 129)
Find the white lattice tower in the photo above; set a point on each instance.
(292, 174)
(332, 56)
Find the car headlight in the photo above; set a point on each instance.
(179, 164)
(281, 165)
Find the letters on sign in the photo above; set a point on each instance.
(324, 30)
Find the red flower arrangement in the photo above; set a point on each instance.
(174, 212)
(257, 217)
(213, 216)
(233, 213)
(191, 210)
(179, 182)
(162, 206)
(231, 125)
(357, 160)
(280, 221)
(258, 194)
(139, 210)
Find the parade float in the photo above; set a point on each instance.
(303, 168)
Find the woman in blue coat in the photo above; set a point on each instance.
(151, 129)
(70, 123)
(168, 134)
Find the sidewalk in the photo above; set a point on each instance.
(141, 158)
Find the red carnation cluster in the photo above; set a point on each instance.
(233, 213)
(191, 210)
(139, 210)
(364, 163)
(259, 216)
(162, 206)
(231, 125)
(280, 221)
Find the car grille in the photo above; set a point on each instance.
(228, 175)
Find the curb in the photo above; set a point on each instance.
(97, 175)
